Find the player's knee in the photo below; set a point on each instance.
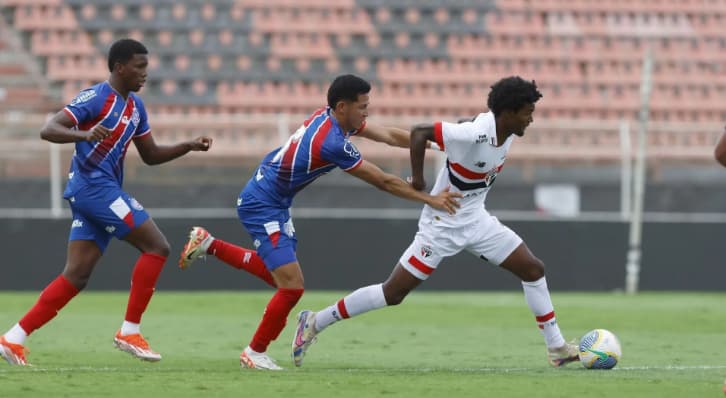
(161, 248)
(534, 270)
(394, 297)
(78, 280)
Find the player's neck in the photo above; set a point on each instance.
(118, 87)
(501, 135)
(342, 126)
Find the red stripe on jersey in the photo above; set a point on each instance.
(466, 173)
(287, 160)
(439, 135)
(546, 317)
(313, 116)
(316, 159)
(105, 111)
(342, 310)
(104, 147)
(420, 265)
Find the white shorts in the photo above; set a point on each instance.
(485, 237)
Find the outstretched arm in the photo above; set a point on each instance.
(59, 130)
(373, 175)
(720, 152)
(152, 154)
(422, 135)
(392, 136)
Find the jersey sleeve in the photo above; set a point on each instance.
(142, 129)
(448, 135)
(85, 107)
(343, 154)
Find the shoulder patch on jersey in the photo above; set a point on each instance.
(350, 149)
(84, 96)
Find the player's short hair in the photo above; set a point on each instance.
(512, 94)
(347, 88)
(123, 50)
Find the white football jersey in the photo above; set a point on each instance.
(472, 164)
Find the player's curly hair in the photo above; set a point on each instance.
(347, 88)
(512, 94)
(123, 50)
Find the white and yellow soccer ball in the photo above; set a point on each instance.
(600, 349)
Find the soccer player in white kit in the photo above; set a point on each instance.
(475, 151)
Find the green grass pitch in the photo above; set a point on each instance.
(433, 345)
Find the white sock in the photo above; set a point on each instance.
(538, 299)
(360, 301)
(16, 335)
(128, 328)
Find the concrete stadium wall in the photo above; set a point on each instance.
(346, 254)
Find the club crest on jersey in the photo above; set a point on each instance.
(83, 96)
(426, 251)
(350, 149)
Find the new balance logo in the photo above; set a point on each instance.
(246, 259)
(259, 175)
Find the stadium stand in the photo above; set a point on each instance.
(425, 58)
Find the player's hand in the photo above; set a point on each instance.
(99, 133)
(201, 144)
(446, 201)
(416, 184)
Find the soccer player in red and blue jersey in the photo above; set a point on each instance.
(102, 121)
(320, 145)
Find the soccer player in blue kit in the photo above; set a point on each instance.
(102, 121)
(317, 147)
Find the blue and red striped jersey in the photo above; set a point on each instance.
(101, 163)
(316, 148)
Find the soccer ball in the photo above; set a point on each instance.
(599, 349)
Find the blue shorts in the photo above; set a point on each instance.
(271, 229)
(100, 213)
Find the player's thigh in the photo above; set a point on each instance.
(113, 212)
(288, 276)
(148, 238)
(430, 246)
(492, 241)
(272, 233)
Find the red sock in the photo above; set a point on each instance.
(54, 297)
(143, 279)
(241, 258)
(275, 317)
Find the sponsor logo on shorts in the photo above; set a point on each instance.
(77, 224)
(239, 201)
(110, 229)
